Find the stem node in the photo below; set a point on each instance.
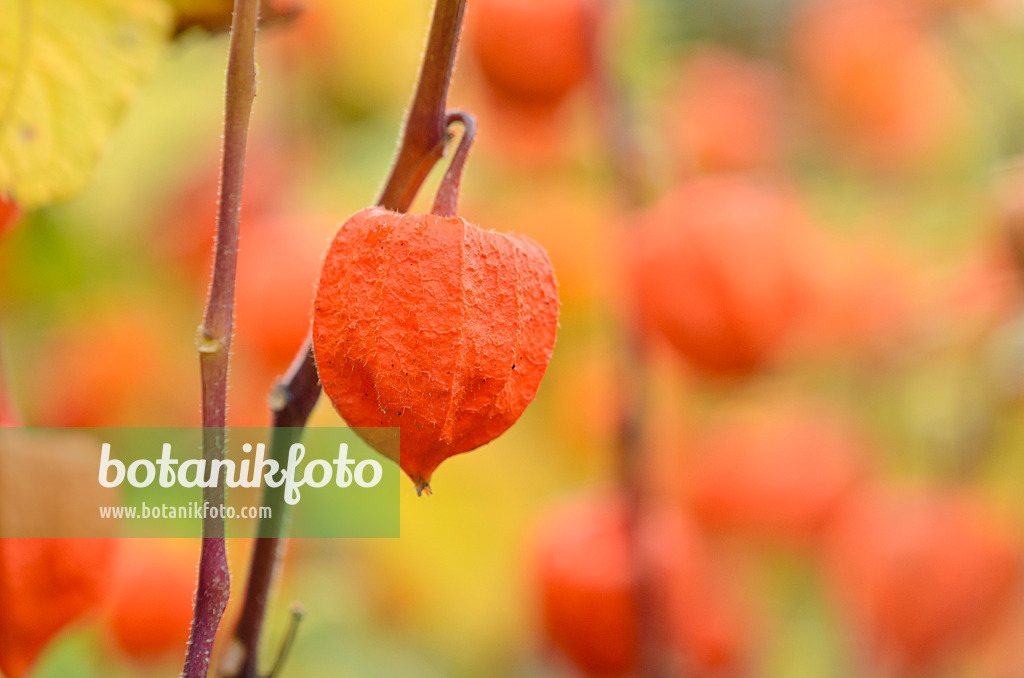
(206, 343)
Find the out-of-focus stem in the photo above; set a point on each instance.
(423, 140)
(289, 640)
(214, 339)
(627, 161)
(624, 150)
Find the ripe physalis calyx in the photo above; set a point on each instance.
(430, 324)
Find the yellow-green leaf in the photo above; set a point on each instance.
(68, 69)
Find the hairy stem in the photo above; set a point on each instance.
(292, 400)
(214, 340)
(425, 135)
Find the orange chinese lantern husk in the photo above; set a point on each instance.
(434, 326)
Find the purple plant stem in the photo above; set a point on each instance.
(214, 340)
(423, 140)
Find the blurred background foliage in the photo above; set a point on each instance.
(100, 297)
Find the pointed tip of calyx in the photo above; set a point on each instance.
(422, 487)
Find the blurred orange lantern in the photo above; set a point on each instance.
(186, 232)
(10, 213)
(879, 78)
(778, 472)
(921, 574)
(150, 610)
(586, 595)
(116, 369)
(45, 584)
(719, 270)
(708, 635)
(726, 114)
(585, 585)
(533, 52)
(57, 557)
(871, 299)
(278, 261)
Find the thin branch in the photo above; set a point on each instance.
(214, 340)
(625, 153)
(626, 158)
(293, 398)
(289, 640)
(446, 204)
(424, 136)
